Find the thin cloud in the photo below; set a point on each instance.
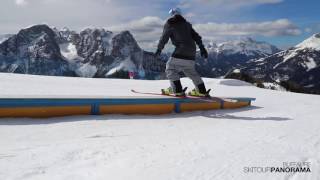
(21, 2)
(281, 27)
(148, 30)
(239, 2)
(220, 6)
(143, 19)
(220, 10)
(143, 25)
(81, 13)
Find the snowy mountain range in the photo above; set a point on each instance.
(246, 46)
(298, 65)
(229, 55)
(91, 53)
(33, 51)
(100, 53)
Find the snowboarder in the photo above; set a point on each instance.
(184, 38)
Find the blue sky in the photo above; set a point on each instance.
(280, 22)
(305, 14)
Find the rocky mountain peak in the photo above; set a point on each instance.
(35, 42)
(247, 39)
(33, 50)
(4, 37)
(124, 44)
(95, 32)
(29, 34)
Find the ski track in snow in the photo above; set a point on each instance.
(205, 145)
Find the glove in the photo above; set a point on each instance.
(157, 54)
(204, 52)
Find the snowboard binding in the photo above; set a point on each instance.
(169, 91)
(196, 93)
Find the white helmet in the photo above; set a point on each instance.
(175, 11)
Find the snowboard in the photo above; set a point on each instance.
(206, 99)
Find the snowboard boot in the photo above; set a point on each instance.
(169, 91)
(178, 91)
(200, 91)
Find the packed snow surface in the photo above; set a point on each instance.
(280, 127)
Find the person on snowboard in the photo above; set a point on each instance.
(184, 38)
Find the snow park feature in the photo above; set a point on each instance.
(55, 105)
(59, 106)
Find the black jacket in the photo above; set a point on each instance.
(182, 36)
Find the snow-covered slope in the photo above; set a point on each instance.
(298, 65)
(217, 145)
(312, 43)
